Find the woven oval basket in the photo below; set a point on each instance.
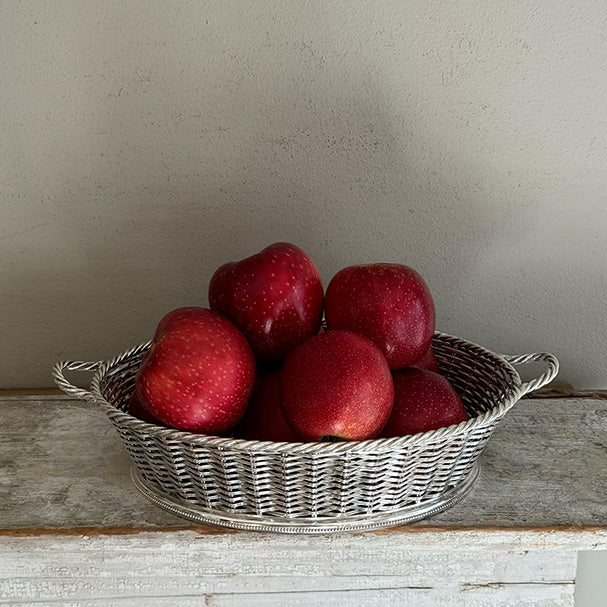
(314, 487)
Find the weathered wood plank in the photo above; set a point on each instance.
(524, 595)
(513, 540)
(62, 466)
(32, 394)
(263, 569)
(188, 553)
(558, 389)
(527, 595)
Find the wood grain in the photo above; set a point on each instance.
(266, 569)
(74, 531)
(63, 466)
(557, 389)
(33, 394)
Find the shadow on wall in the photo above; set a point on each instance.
(314, 157)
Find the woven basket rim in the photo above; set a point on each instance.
(378, 445)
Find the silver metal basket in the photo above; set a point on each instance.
(314, 487)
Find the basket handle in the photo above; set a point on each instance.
(542, 380)
(74, 365)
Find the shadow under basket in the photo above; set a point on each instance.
(314, 487)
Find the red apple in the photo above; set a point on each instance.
(136, 409)
(264, 419)
(198, 374)
(423, 401)
(336, 385)
(274, 297)
(388, 303)
(427, 361)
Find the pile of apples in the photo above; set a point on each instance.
(260, 365)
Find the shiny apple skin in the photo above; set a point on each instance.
(388, 303)
(423, 401)
(198, 374)
(274, 297)
(336, 386)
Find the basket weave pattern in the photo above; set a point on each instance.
(312, 482)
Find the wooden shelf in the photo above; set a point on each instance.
(74, 528)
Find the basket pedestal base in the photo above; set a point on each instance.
(236, 520)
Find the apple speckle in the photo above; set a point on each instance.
(201, 366)
(389, 303)
(274, 297)
(336, 384)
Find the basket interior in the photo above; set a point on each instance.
(314, 481)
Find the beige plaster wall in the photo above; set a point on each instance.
(142, 144)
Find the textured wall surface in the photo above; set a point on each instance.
(142, 144)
